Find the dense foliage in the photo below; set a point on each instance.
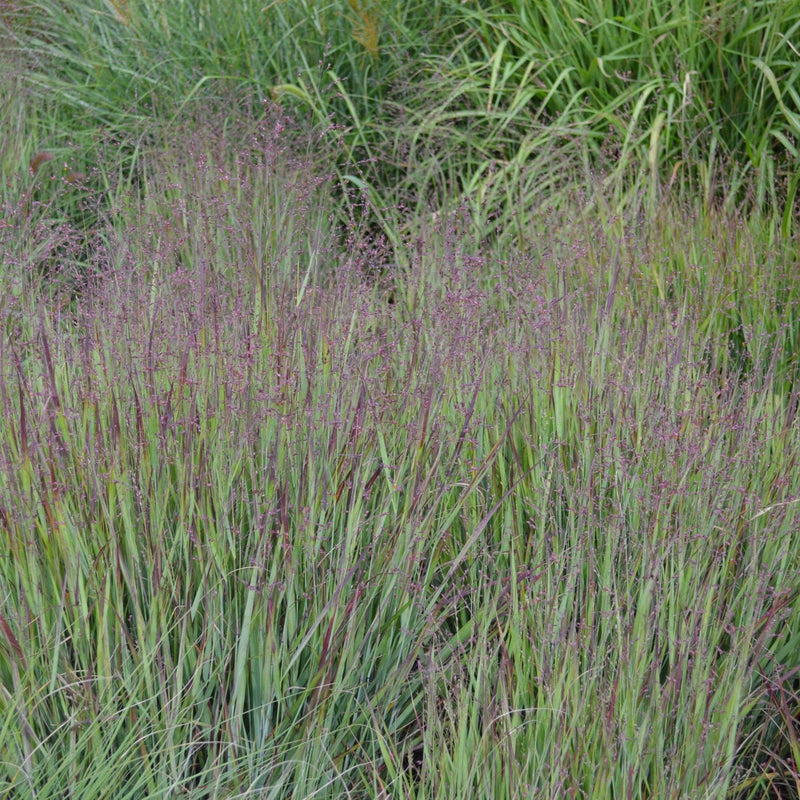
(399, 400)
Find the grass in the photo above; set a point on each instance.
(359, 459)
(693, 96)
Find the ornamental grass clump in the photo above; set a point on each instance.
(501, 505)
(527, 526)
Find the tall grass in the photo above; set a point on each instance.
(485, 525)
(680, 90)
(436, 100)
(502, 503)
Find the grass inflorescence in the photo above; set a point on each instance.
(436, 443)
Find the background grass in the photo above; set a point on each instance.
(397, 408)
(427, 102)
